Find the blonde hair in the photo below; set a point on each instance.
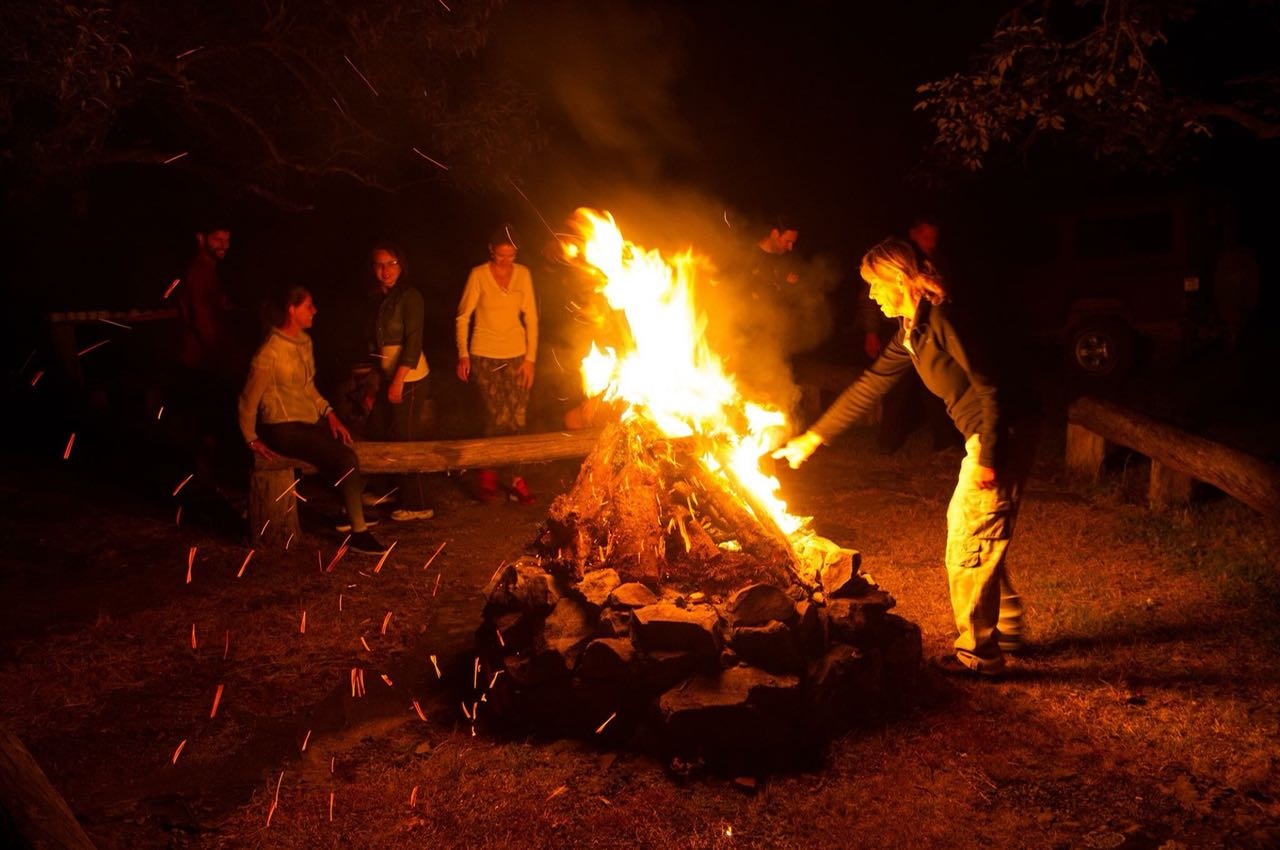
(918, 276)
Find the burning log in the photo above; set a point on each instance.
(655, 594)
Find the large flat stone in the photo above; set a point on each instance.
(665, 626)
(757, 604)
(596, 586)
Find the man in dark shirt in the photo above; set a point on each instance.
(210, 368)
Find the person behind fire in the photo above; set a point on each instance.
(999, 419)
(501, 350)
(282, 411)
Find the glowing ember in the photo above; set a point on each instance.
(669, 375)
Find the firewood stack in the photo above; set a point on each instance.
(657, 608)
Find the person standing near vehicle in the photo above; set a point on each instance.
(1000, 423)
(501, 350)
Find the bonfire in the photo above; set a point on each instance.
(670, 594)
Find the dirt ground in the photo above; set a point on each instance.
(1146, 714)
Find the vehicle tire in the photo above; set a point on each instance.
(1101, 348)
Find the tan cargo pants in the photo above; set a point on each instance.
(988, 612)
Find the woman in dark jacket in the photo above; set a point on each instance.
(1000, 426)
(400, 406)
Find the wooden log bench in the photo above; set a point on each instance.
(1178, 458)
(32, 812)
(273, 503)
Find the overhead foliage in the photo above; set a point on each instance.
(1136, 81)
(267, 96)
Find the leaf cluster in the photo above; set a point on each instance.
(1102, 74)
(269, 96)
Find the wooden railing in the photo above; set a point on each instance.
(1178, 458)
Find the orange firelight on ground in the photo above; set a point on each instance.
(668, 373)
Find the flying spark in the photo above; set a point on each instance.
(362, 76)
(82, 352)
(181, 484)
(434, 162)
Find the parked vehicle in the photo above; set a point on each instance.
(1112, 281)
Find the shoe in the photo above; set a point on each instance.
(953, 666)
(487, 485)
(344, 525)
(519, 492)
(405, 515)
(364, 541)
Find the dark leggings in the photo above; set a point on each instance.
(403, 422)
(313, 443)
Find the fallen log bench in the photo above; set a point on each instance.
(1178, 458)
(273, 504)
(32, 812)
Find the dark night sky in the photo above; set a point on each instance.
(672, 114)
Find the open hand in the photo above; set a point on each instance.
(526, 374)
(464, 369)
(262, 450)
(338, 430)
(798, 449)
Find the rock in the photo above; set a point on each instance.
(901, 644)
(811, 630)
(757, 604)
(853, 620)
(840, 577)
(737, 687)
(607, 659)
(666, 627)
(771, 647)
(567, 630)
(659, 671)
(739, 717)
(844, 686)
(633, 594)
(596, 586)
(516, 629)
(614, 623)
(522, 586)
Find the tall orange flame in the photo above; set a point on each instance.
(669, 374)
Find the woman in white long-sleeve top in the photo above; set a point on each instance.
(283, 413)
(501, 350)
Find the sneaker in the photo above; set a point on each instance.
(344, 525)
(364, 541)
(953, 666)
(487, 485)
(405, 515)
(519, 492)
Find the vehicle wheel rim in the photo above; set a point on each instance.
(1093, 353)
